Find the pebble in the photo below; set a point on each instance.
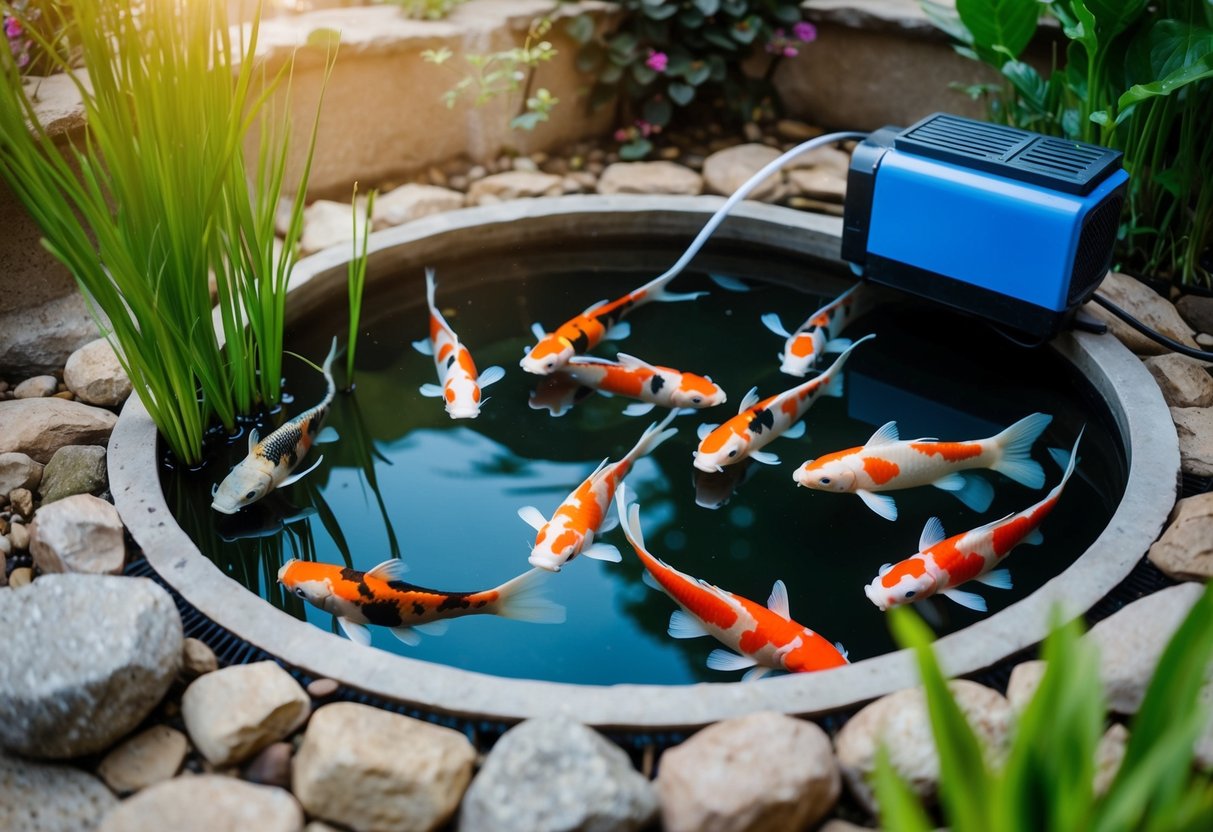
(18, 536)
(819, 183)
(39, 427)
(38, 387)
(74, 469)
(1205, 340)
(327, 223)
(514, 185)
(233, 713)
(22, 502)
(149, 757)
(196, 659)
(371, 770)
(1197, 310)
(751, 131)
(759, 773)
(458, 182)
(1185, 550)
(95, 375)
(81, 533)
(50, 798)
(70, 687)
(476, 172)
(796, 131)
(1108, 756)
(650, 178)
(1184, 381)
(1195, 428)
(410, 202)
(322, 688)
(1024, 681)
(271, 766)
(206, 803)
(523, 163)
(727, 170)
(437, 176)
(551, 774)
(21, 576)
(1143, 303)
(66, 395)
(826, 158)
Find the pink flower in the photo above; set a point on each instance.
(12, 27)
(657, 61)
(805, 31)
(622, 135)
(790, 52)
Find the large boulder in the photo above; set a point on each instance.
(556, 775)
(95, 375)
(650, 178)
(1143, 303)
(47, 798)
(373, 770)
(1184, 381)
(411, 202)
(17, 470)
(1195, 428)
(235, 712)
(760, 773)
(208, 803)
(74, 469)
(727, 170)
(81, 533)
(87, 657)
(39, 427)
(1185, 550)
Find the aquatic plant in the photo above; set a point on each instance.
(1138, 77)
(667, 54)
(1047, 783)
(356, 279)
(164, 198)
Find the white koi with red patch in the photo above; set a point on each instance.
(583, 514)
(758, 422)
(886, 463)
(818, 335)
(941, 565)
(459, 385)
(651, 384)
(764, 638)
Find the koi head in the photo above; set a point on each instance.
(826, 475)
(306, 580)
(247, 483)
(697, 392)
(719, 448)
(813, 653)
(554, 547)
(904, 583)
(549, 355)
(462, 397)
(802, 351)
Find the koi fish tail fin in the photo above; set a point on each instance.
(523, 599)
(1016, 443)
(655, 291)
(1066, 460)
(654, 435)
(629, 516)
(431, 286)
(841, 360)
(327, 369)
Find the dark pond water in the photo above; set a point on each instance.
(405, 479)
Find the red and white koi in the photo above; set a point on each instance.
(818, 335)
(601, 322)
(764, 638)
(758, 422)
(271, 461)
(459, 386)
(941, 565)
(655, 386)
(886, 463)
(583, 514)
(381, 597)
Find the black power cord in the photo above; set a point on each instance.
(1169, 343)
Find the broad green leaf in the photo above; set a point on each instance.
(1174, 44)
(746, 30)
(1009, 24)
(717, 38)
(691, 18)
(947, 20)
(682, 94)
(1176, 80)
(657, 111)
(643, 74)
(1113, 16)
(664, 12)
(707, 7)
(634, 150)
(1027, 82)
(580, 28)
(697, 73)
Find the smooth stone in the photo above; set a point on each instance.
(81, 533)
(327, 224)
(1184, 381)
(796, 131)
(196, 659)
(1024, 682)
(1143, 303)
(1195, 428)
(74, 469)
(1108, 756)
(410, 202)
(95, 375)
(727, 170)
(371, 770)
(515, 184)
(1132, 639)
(49, 798)
(206, 803)
(38, 387)
(18, 471)
(322, 688)
(19, 577)
(87, 658)
(39, 427)
(650, 178)
(552, 774)
(41, 338)
(819, 183)
(18, 536)
(1197, 310)
(147, 758)
(1204, 339)
(826, 158)
(271, 766)
(900, 721)
(21, 501)
(759, 773)
(1185, 550)
(233, 713)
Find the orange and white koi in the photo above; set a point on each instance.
(271, 461)
(885, 463)
(583, 514)
(941, 565)
(636, 379)
(381, 597)
(817, 336)
(601, 322)
(758, 422)
(764, 638)
(460, 385)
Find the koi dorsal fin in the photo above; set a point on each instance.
(778, 602)
(932, 533)
(632, 361)
(886, 434)
(390, 570)
(750, 399)
(253, 438)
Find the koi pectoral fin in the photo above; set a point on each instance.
(755, 673)
(327, 436)
(703, 430)
(998, 578)
(608, 523)
(684, 626)
(720, 659)
(423, 346)
(433, 628)
(618, 332)
(772, 322)
(357, 633)
(430, 391)
(795, 431)
(294, 478)
(492, 375)
(966, 599)
(406, 635)
(651, 582)
(538, 331)
(638, 408)
(730, 284)
(765, 457)
(882, 504)
(532, 517)
(603, 551)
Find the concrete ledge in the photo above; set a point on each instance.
(1135, 401)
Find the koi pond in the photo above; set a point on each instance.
(405, 480)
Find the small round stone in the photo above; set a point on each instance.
(322, 688)
(21, 576)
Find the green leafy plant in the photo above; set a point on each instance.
(427, 9)
(158, 198)
(506, 72)
(1138, 77)
(1047, 783)
(669, 54)
(356, 277)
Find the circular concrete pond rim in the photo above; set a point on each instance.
(1137, 407)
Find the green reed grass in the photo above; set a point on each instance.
(1047, 781)
(163, 198)
(356, 277)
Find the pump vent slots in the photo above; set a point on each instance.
(966, 138)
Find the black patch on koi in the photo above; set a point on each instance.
(656, 384)
(382, 613)
(455, 601)
(354, 575)
(762, 420)
(418, 609)
(582, 342)
(450, 360)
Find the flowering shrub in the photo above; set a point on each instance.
(31, 28)
(19, 41)
(669, 54)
